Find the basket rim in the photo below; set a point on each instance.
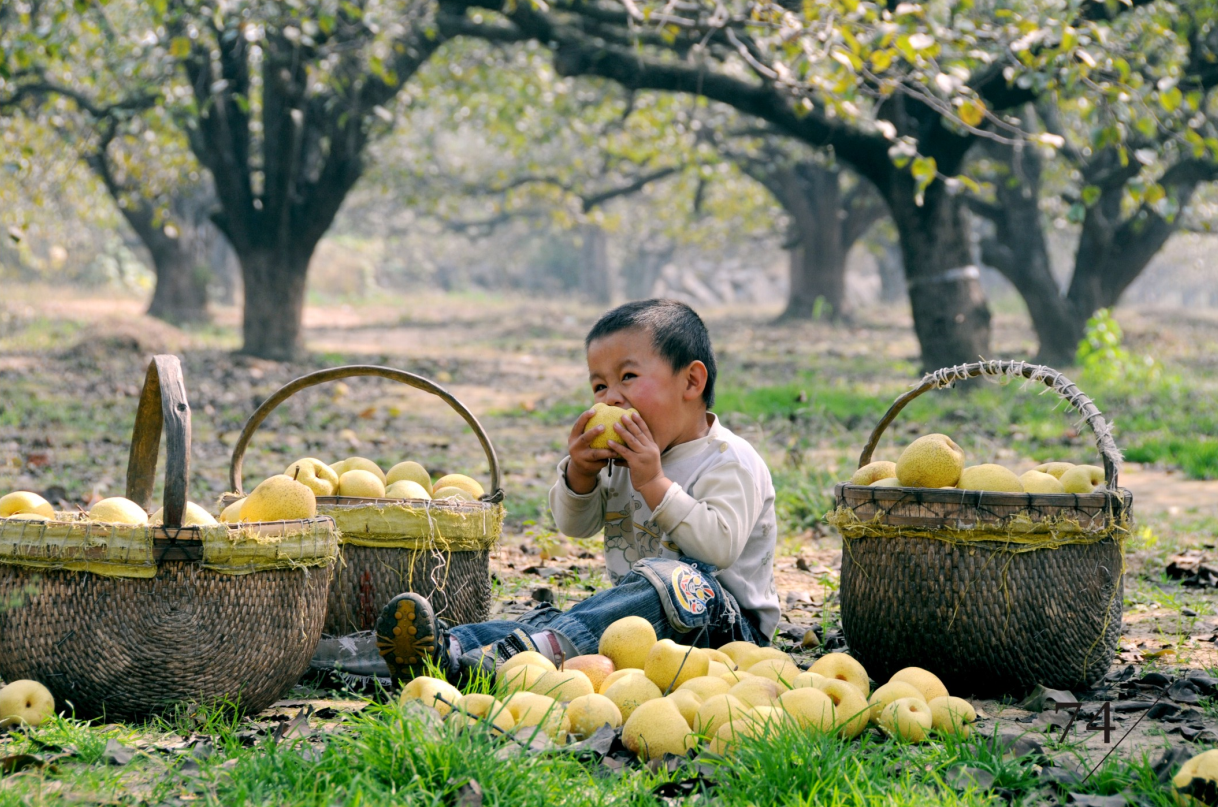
(960, 496)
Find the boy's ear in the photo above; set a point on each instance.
(695, 380)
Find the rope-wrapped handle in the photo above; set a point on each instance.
(350, 371)
(162, 406)
(1051, 378)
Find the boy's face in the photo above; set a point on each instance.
(625, 370)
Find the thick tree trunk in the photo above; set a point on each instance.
(180, 295)
(600, 282)
(950, 314)
(1018, 250)
(274, 304)
(811, 195)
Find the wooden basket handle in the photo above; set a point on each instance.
(162, 406)
(1051, 378)
(349, 371)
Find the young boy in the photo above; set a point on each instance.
(687, 509)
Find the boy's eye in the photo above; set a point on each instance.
(597, 387)
(627, 376)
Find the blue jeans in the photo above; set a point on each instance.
(681, 599)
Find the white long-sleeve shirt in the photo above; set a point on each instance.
(719, 510)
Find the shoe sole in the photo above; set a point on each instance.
(406, 635)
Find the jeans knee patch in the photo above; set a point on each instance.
(691, 599)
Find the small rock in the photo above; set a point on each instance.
(810, 640)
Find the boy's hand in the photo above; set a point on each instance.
(638, 449)
(586, 461)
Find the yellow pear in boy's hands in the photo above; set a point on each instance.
(607, 416)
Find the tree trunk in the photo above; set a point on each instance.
(274, 304)
(811, 195)
(1018, 250)
(600, 282)
(180, 295)
(951, 318)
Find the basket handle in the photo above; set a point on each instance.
(1051, 378)
(350, 371)
(162, 406)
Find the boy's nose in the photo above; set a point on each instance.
(614, 398)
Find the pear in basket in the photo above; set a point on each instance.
(192, 516)
(117, 510)
(932, 461)
(1082, 478)
(279, 498)
(468, 484)
(315, 475)
(409, 471)
(357, 464)
(22, 501)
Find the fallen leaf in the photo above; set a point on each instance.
(115, 753)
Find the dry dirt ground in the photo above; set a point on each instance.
(511, 361)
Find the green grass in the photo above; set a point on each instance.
(387, 754)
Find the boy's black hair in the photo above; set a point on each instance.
(677, 333)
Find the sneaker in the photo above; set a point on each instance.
(408, 635)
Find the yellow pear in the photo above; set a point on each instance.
(627, 642)
(409, 471)
(932, 461)
(736, 650)
(563, 685)
(654, 729)
(192, 516)
(609, 417)
(669, 664)
(1082, 478)
(231, 513)
(873, 472)
(773, 717)
(755, 691)
(721, 657)
(843, 668)
(29, 517)
(314, 475)
(519, 678)
(733, 677)
(687, 704)
(357, 464)
(718, 710)
(924, 681)
(1054, 469)
(887, 482)
(613, 677)
(1201, 770)
(527, 657)
(363, 484)
(716, 669)
(1038, 482)
(406, 489)
(117, 510)
(850, 708)
(810, 708)
(747, 658)
(531, 709)
(989, 477)
(807, 678)
(440, 695)
(906, 719)
(781, 671)
(451, 492)
(593, 665)
(631, 691)
(705, 687)
(729, 735)
(468, 484)
(23, 501)
(589, 712)
(888, 693)
(25, 702)
(477, 709)
(279, 498)
(953, 716)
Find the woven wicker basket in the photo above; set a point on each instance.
(993, 592)
(127, 621)
(439, 549)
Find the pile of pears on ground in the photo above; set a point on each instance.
(670, 698)
(935, 461)
(282, 497)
